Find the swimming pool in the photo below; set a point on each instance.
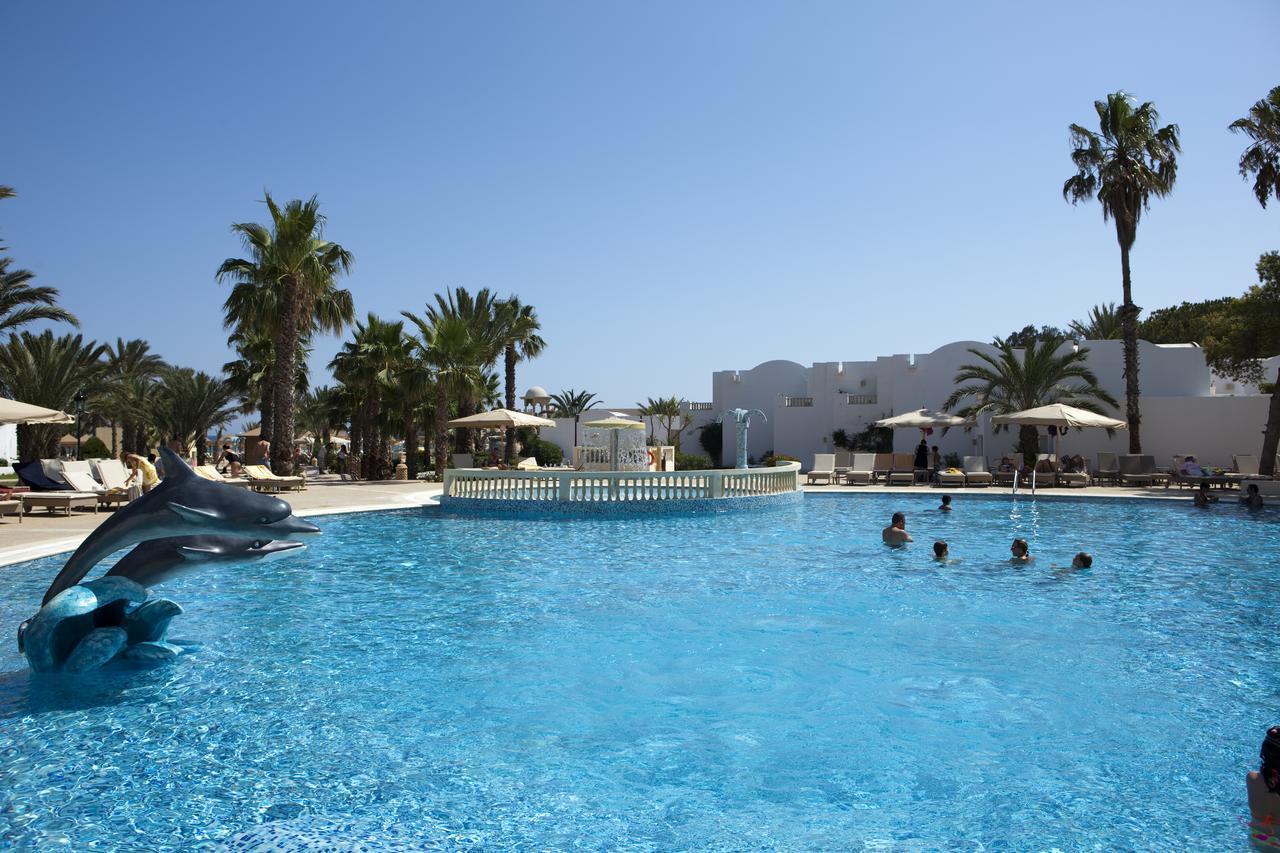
(774, 679)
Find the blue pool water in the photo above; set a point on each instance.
(750, 680)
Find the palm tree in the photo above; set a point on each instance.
(1262, 158)
(47, 371)
(571, 404)
(1004, 382)
(189, 403)
(666, 410)
(481, 315)
(6, 192)
(519, 333)
(448, 346)
(1131, 160)
(127, 364)
(21, 303)
(373, 358)
(287, 287)
(1103, 324)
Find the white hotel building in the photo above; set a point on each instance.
(1185, 407)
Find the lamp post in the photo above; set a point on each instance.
(79, 398)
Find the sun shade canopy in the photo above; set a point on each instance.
(501, 418)
(1060, 416)
(13, 412)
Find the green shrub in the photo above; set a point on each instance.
(544, 451)
(692, 462)
(711, 437)
(777, 459)
(94, 448)
(951, 460)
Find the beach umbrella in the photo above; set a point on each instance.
(13, 412)
(1059, 416)
(923, 419)
(501, 419)
(614, 423)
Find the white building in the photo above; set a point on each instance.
(1185, 408)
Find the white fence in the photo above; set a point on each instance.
(616, 486)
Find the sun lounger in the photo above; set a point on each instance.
(32, 474)
(82, 482)
(861, 469)
(883, 465)
(64, 500)
(903, 472)
(1107, 469)
(1140, 470)
(529, 463)
(1246, 465)
(950, 477)
(210, 472)
(844, 461)
(1074, 479)
(11, 506)
(262, 479)
(110, 473)
(975, 471)
(824, 467)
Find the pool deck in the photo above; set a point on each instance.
(41, 534)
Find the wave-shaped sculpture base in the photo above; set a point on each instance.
(90, 624)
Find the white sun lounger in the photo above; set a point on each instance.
(824, 467)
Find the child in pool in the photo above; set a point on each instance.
(946, 504)
(1020, 551)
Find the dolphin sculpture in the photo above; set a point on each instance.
(159, 560)
(184, 504)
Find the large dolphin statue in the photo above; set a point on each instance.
(184, 504)
(159, 560)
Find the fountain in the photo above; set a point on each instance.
(742, 420)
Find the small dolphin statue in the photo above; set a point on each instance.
(184, 504)
(153, 562)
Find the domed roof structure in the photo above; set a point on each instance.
(536, 394)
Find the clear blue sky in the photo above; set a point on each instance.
(677, 187)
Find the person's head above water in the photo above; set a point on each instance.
(1019, 548)
(1082, 561)
(946, 500)
(939, 550)
(1270, 754)
(1253, 488)
(898, 520)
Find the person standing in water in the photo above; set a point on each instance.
(896, 533)
(1263, 788)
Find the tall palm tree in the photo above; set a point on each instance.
(522, 342)
(374, 358)
(1262, 158)
(127, 363)
(1131, 160)
(287, 287)
(6, 192)
(571, 404)
(481, 314)
(189, 403)
(47, 371)
(448, 345)
(666, 410)
(1102, 324)
(22, 303)
(1008, 381)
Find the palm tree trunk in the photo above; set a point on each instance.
(442, 432)
(1271, 438)
(283, 379)
(321, 458)
(1129, 327)
(511, 401)
(115, 450)
(267, 423)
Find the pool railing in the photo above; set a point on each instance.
(571, 486)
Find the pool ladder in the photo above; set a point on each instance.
(1033, 482)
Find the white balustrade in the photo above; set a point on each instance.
(619, 486)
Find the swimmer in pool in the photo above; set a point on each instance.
(940, 551)
(896, 533)
(1020, 552)
(1252, 498)
(1263, 787)
(1082, 561)
(1202, 497)
(946, 504)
